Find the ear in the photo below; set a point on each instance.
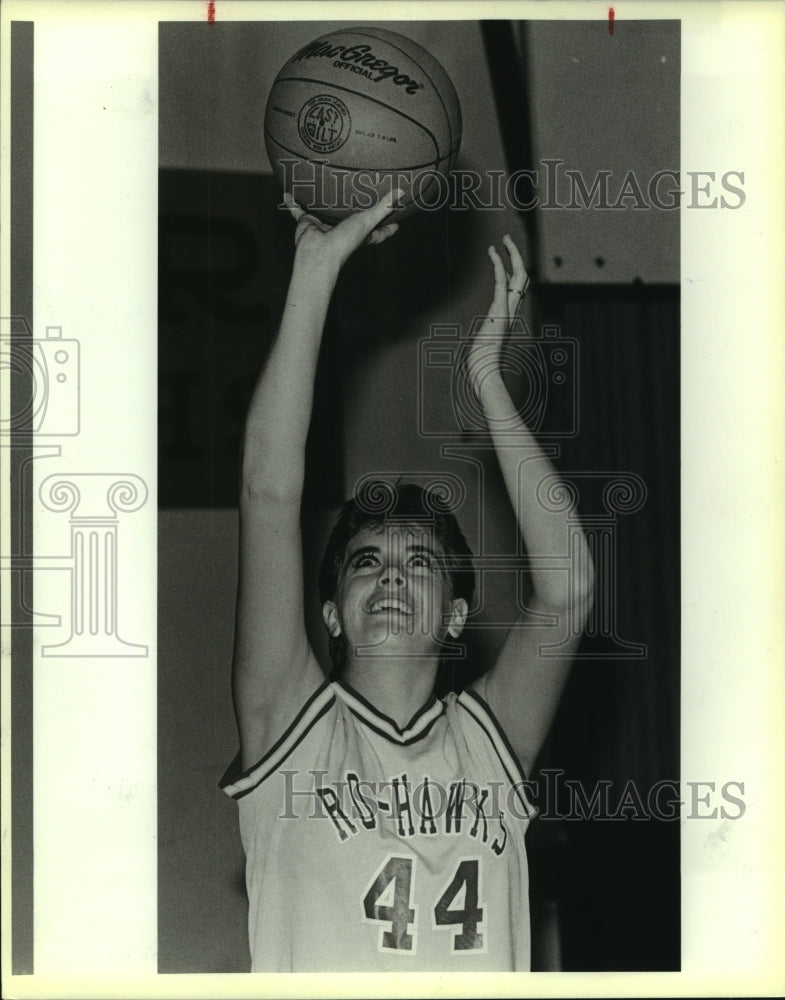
(457, 619)
(331, 619)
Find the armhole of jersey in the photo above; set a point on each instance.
(482, 714)
(237, 783)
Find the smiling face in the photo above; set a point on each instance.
(393, 596)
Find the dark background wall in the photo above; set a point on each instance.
(605, 894)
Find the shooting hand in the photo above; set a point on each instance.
(323, 244)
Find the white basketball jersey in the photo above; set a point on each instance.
(371, 848)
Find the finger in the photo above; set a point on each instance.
(306, 222)
(498, 308)
(382, 233)
(499, 273)
(305, 219)
(378, 212)
(296, 211)
(519, 279)
(367, 220)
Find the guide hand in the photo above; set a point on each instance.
(484, 357)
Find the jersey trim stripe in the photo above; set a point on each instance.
(482, 714)
(417, 728)
(316, 706)
(396, 739)
(488, 711)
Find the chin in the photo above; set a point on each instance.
(392, 646)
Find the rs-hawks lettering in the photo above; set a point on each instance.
(463, 808)
(332, 804)
(455, 807)
(496, 846)
(482, 796)
(364, 809)
(359, 59)
(403, 807)
(428, 820)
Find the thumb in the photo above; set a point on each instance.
(371, 217)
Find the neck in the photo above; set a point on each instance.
(396, 688)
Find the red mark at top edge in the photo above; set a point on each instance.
(611, 18)
(211, 12)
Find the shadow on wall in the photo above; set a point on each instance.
(225, 253)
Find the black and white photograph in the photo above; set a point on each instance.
(389, 560)
(550, 494)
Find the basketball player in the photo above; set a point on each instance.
(383, 828)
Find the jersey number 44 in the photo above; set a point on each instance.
(389, 901)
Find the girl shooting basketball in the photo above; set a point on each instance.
(384, 829)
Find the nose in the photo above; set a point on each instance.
(392, 576)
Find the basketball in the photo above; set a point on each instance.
(356, 109)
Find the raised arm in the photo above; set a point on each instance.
(274, 669)
(524, 686)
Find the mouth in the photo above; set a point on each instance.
(383, 605)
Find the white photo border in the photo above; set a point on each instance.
(96, 167)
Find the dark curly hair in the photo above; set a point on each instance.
(378, 503)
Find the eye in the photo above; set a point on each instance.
(364, 559)
(421, 560)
